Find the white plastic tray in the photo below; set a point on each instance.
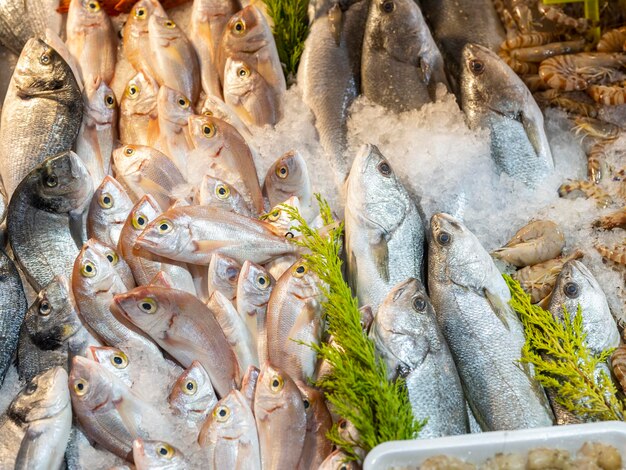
(476, 448)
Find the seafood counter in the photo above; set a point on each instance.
(172, 171)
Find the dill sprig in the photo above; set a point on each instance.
(290, 29)
(357, 387)
(563, 362)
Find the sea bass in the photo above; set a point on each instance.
(485, 336)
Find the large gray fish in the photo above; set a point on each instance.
(454, 23)
(45, 218)
(485, 336)
(41, 114)
(37, 426)
(494, 97)
(13, 308)
(401, 64)
(408, 339)
(51, 332)
(384, 232)
(21, 20)
(108, 211)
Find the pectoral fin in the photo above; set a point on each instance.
(534, 131)
(380, 252)
(501, 309)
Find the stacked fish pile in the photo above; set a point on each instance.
(171, 310)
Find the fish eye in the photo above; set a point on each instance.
(105, 201)
(119, 360)
(343, 424)
(183, 102)
(170, 24)
(109, 101)
(165, 450)
(147, 305)
(571, 290)
(112, 257)
(140, 13)
(139, 221)
(276, 384)
(387, 6)
(282, 171)
(132, 91)
(45, 58)
(44, 308)
(419, 303)
(52, 180)
(306, 403)
(93, 6)
(221, 413)
(263, 281)
(80, 387)
(207, 113)
(444, 238)
(208, 130)
(300, 270)
(476, 66)
(222, 191)
(88, 269)
(190, 387)
(274, 215)
(30, 388)
(343, 466)
(243, 72)
(239, 27)
(129, 151)
(384, 169)
(165, 226)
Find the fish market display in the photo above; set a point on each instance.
(162, 308)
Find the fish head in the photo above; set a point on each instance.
(157, 455)
(223, 271)
(246, 31)
(213, 106)
(52, 318)
(375, 194)
(218, 193)
(145, 210)
(168, 233)
(193, 391)
(314, 407)
(93, 272)
(230, 418)
(254, 285)
(129, 158)
(45, 396)
(110, 203)
(209, 134)
(287, 177)
(173, 106)
(90, 384)
(140, 96)
(280, 218)
(340, 461)
(41, 70)
(275, 391)
(113, 359)
(300, 281)
(100, 102)
(137, 22)
(240, 78)
(151, 308)
(85, 15)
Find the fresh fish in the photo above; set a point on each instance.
(220, 150)
(184, 327)
(247, 92)
(318, 423)
(213, 106)
(192, 395)
(175, 61)
(337, 460)
(94, 284)
(37, 426)
(384, 232)
(280, 218)
(289, 176)
(247, 36)
(408, 339)
(144, 264)
(45, 218)
(248, 384)
(294, 315)
(208, 19)
(139, 123)
(120, 266)
(235, 329)
(145, 170)
(398, 44)
(135, 36)
(494, 97)
(91, 40)
(329, 86)
(51, 332)
(21, 20)
(192, 234)
(223, 275)
(108, 211)
(13, 308)
(229, 436)
(254, 286)
(157, 455)
(98, 130)
(218, 193)
(485, 336)
(174, 110)
(114, 360)
(279, 411)
(109, 412)
(41, 114)
(455, 23)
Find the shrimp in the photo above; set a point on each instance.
(617, 254)
(528, 40)
(613, 220)
(560, 99)
(556, 15)
(545, 51)
(597, 128)
(588, 189)
(538, 280)
(534, 82)
(523, 16)
(576, 71)
(613, 40)
(610, 95)
(618, 364)
(596, 162)
(534, 243)
(521, 68)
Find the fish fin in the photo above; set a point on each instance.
(533, 132)
(501, 309)
(353, 273)
(335, 20)
(380, 251)
(128, 416)
(208, 246)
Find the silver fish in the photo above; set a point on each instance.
(485, 336)
(41, 114)
(108, 211)
(289, 176)
(157, 455)
(213, 106)
(223, 274)
(318, 423)
(114, 360)
(248, 384)
(407, 337)
(384, 232)
(135, 35)
(192, 395)
(398, 44)
(218, 193)
(21, 20)
(139, 124)
(519, 146)
(174, 110)
(45, 218)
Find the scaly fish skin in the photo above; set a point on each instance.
(21, 20)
